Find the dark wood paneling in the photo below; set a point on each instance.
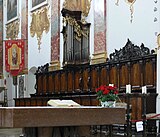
(57, 82)
(113, 75)
(63, 82)
(136, 106)
(45, 84)
(70, 82)
(124, 76)
(148, 74)
(85, 80)
(50, 84)
(103, 77)
(94, 79)
(39, 84)
(136, 75)
(77, 81)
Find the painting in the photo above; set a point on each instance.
(21, 86)
(12, 10)
(38, 3)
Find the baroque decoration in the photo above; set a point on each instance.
(78, 5)
(130, 2)
(40, 23)
(12, 30)
(79, 32)
(130, 51)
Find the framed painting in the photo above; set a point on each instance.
(37, 4)
(12, 10)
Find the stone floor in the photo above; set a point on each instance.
(7, 132)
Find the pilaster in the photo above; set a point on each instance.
(100, 53)
(55, 34)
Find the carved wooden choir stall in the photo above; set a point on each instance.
(132, 64)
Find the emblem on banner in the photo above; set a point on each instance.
(14, 56)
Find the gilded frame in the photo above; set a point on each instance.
(36, 4)
(12, 10)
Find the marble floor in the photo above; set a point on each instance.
(7, 132)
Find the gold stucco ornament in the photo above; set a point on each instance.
(130, 2)
(12, 30)
(40, 23)
(78, 5)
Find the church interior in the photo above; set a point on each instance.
(62, 61)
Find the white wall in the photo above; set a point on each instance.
(35, 57)
(141, 30)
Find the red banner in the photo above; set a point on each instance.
(14, 56)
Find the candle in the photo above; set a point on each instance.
(144, 90)
(128, 88)
(112, 85)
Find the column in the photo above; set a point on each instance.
(100, 27)
(55, 35)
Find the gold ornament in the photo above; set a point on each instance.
(12, 30)
(40, 23)
(130, 2)
(78, 5)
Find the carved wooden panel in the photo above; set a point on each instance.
(76, 81)
(103, 77)
(124, 76)
(44, 84)
(136, 104)
(21, 102)
(94, 79)
(28, 102)
(63, 82)
(70, 82)
(86, 101)
(136, 75)
(77, 99)
(56, 80)
(39, 102)
(149, 74)
(113, 75)
(85, 80)
(50, 84)
(39, 84)
(33, 102)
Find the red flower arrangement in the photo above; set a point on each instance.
(107, 93)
